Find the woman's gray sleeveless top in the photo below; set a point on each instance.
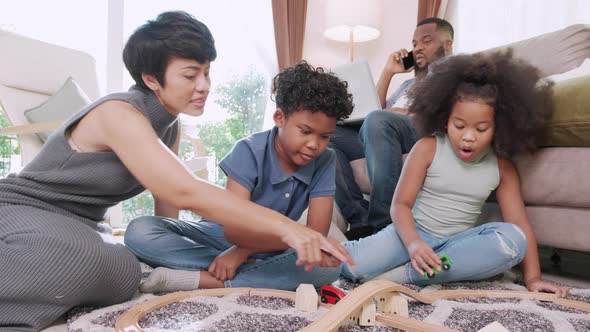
(84, 184)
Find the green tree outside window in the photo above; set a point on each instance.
(244, 98)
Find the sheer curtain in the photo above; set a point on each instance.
(289, 18)
(289, 26)
(430, 8)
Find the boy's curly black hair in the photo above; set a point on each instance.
(304, 88)
(521, 99)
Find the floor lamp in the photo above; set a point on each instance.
(352, 21)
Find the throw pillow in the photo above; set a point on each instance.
(68, 100)
(570, 124)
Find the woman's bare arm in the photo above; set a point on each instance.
(119, 127)
(404, 198)
(162, 208)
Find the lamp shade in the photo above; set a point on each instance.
(361, 19)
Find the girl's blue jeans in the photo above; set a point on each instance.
(478, 253)
(185, 245)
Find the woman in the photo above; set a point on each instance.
(51, 256)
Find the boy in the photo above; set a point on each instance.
(285, 169)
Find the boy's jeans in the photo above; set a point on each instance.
(477, 253)
(185, 245)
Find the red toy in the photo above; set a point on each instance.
(330, 294)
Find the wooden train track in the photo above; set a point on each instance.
(128, 322)
(349, 308)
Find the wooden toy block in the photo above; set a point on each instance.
(393, 303)
(306, 298)
(368, 314)
(355, 317)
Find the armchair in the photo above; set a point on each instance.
(31, 71)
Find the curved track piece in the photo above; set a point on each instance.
(545, 297)
(128, 322)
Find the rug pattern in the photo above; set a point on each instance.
(266, 314)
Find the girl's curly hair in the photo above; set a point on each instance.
(521, 99)
(303, 87)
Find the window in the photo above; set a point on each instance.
(9, 149)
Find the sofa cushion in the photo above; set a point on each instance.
(555, 176)
(65, 102)
(570, 124)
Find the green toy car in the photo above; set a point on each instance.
(446, 263)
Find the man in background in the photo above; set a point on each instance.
(385, 135)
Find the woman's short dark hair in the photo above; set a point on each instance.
(304, 88)
(172, 34)
(521, 99)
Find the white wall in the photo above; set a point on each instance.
(398, 24)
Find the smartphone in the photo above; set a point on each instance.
(408, 61)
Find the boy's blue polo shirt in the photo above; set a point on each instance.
(254, 164)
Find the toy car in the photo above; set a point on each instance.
(330, 294)
(446, 263)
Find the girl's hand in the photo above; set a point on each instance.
(539, 285)
(309, 245)
(224, 266)
(424, 259)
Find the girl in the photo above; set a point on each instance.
(474, 112)
(52, 257)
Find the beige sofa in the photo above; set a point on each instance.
(555, 187)
(554, 184)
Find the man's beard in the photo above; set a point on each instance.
(439, 54)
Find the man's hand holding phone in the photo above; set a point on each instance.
(408, 61)
(400, 61)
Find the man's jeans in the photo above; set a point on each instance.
(184, 245)
(349, 197)
(478, 253)
(386, 136)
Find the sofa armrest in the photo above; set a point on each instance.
(555, 52)
(31, 129)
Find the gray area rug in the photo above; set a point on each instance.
(233, 312)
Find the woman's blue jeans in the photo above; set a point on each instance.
(185, 245)
(478, 253)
